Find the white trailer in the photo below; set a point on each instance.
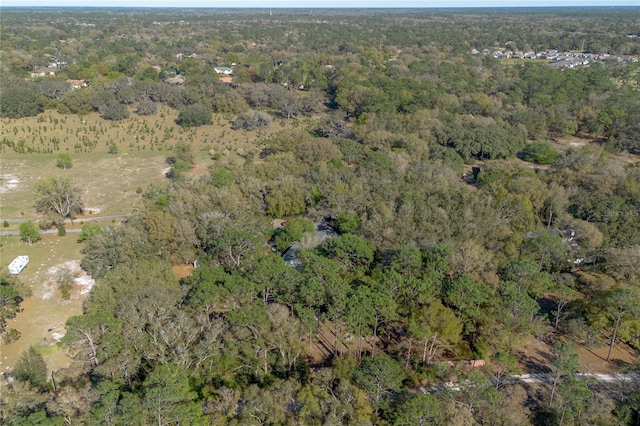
(18, 264)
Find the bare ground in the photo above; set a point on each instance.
(536, 357)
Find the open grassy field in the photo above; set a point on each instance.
(53, 133)
(45, 312)
(28, 151)
(108, 182)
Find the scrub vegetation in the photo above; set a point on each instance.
(363, 206)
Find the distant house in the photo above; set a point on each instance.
(18, 264)
(77, 84)
(44, 71)
(223, 70)
(226, 80)
(292, 256)
(177, 80)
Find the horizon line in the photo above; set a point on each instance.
(326, 8)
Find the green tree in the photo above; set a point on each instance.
(620, 304)
(29, 232)
(115, 246)
(565, 362)
(53, 89)
(293, 232)
(286, 197)
(503, 365)
(31, 368)
(420, 410)
(18, 102)
(88, 231)
(519, 307)
(169, 398)
(361, 314)
(58, 196)
(437, 326)
(85, 335)
(353, 252)
(541, 152)
(12, 292)
(548, 250)
(348, 222)
(19, 400)
(236, 248)
(113, 110)
(64, 161)
(193, 116)
(467, 296)
(380, 377)
(574, 396)
(478, 395)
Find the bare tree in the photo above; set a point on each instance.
(58, 196)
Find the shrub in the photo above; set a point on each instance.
(222, 177)
(250, 121)
(29, 233)
(64, 161)
(12, 335)
(113, 149)
(146, 107)
(89, 230)
(542, 152)
(113, 110)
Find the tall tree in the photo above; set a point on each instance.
(565, 362)
(58, 196)
(620, 304)
(85, 334)
(169, 398)
(380, 377)
(31, 368)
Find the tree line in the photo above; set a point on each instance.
(430, 261)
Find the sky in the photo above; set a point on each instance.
(319, 4)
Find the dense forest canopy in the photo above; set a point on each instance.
(431, 215)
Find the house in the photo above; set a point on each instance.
(18, 264)
(223, 70)
(292, 256)
(226, 80)
(77, 84)
(43, 71)
(177, 80)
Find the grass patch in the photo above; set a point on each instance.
(46, 350)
